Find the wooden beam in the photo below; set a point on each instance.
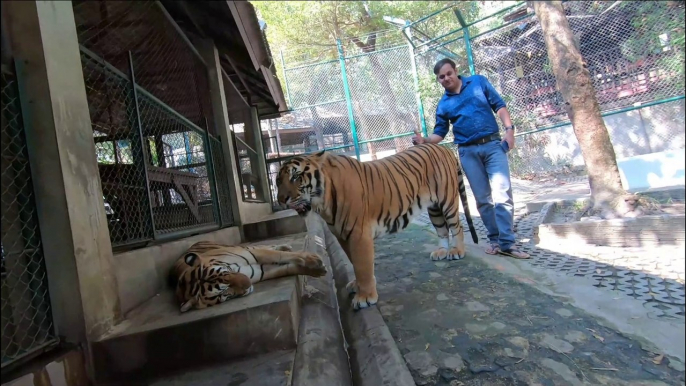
(226, 77)
(232, 64)
(244, 34)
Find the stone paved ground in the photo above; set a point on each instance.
(464, 323)
(494, 329)
(654, 276)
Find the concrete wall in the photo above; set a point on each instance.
(648, 130)
(69, 202)
(245, 212)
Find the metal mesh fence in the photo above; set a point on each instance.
(151, 140)
(634, 51)
(635, 55)
(320, 118)
(165, 66)
(180, 189)
(385, 108)
(26, 316)
(222, 181)
(119, 152)
(246, 159)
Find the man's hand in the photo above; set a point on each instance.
(417, 139)
(509, 138)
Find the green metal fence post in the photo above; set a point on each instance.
(211, 176)
(467, 41)
(415, 77)
(348, 99)
(285, 80)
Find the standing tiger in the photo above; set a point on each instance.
(363, 201)
(210, 273)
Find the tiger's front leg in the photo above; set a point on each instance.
(360, 250)
(303, 259)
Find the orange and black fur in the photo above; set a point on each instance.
(210, 273)
(363, 201)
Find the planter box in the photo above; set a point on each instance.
(645, 231)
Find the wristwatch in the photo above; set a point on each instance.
(510, 128)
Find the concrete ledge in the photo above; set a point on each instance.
(646, 232)
(277, 224)
(643, 231)
(156, 339)
(374, 357)
(321, 357)
(272, 369)
(61, 367)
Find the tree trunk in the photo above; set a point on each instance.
(575, 84)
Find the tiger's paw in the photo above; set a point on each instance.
(310, 260)
(352, 287)
(360, 302)
(456, 253)
(248, 291)
(315, 272)
(439, 254)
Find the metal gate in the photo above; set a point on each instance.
(27, 326)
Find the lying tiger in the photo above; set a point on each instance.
(210, 273)
(363, 201)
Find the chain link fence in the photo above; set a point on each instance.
(634, 51)
(161, 165)
(27, 326)
(635, 55)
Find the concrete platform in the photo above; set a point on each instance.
(272, 369)
(277, 224)
(156, 339)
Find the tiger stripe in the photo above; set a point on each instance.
(363, 201)
(209, 273)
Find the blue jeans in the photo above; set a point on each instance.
(488, 173)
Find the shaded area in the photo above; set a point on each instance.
(464, 322)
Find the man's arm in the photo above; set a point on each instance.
(440, 130)
(500, 108)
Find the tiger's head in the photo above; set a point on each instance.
(300, 183)
(207, 282)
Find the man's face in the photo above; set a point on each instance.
(447, 77)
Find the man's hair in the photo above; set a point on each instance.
(441, 63)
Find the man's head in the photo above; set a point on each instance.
(446, 74)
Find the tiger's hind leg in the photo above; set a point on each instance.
(451, 212)
(279, 247)
(441, 225)
(261, 272)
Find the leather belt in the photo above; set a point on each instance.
(482, 140)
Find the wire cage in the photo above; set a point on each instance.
(152, 120)
(27, 326)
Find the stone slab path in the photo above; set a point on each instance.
(466, 323)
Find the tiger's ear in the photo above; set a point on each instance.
(321, 153)
(190, 258)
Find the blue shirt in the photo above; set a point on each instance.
(470, 111)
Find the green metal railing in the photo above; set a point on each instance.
(376, 100)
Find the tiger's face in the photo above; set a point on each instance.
(208, 283)
(300, 183)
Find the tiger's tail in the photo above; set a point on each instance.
(463, 198)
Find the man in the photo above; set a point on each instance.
(469, 104)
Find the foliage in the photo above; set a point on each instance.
(307, 30)
(653, 21)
